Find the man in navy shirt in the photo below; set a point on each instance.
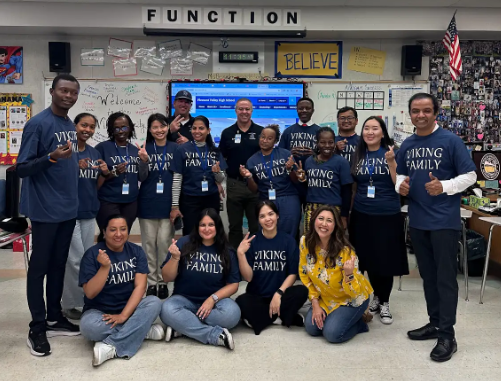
(347, 139)
(433, 168)
(238, 143)
(180, 123)
(49, 197)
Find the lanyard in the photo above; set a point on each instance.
(269, 168)
(161, 168)
(126, 158)
(203, 163)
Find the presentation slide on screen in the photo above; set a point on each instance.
(274, 103)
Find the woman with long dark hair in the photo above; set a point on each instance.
(91, 167)
(328, 178)
(376, 223)
(270, 173)
(154, 201)
(338, 291)
(119, 190)
(204, 269)
(269, 262)
(113, 276)
(198, 168)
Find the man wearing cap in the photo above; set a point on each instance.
(180, 123)
(238, 143)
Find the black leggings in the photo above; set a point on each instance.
(382, 286)
(107, 209)
(256, 309)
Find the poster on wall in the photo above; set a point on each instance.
(15, 111)
(11, 64)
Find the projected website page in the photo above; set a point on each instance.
(273, 103)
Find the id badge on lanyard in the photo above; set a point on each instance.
(205, 185)
(371, 190)
(238, 138)
(125, 188)
(272, 193)
(125, 185)
(160, 185)
(204, 164)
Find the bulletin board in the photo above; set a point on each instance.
(15, 111)
(386, 99)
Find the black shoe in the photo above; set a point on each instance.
(226, 340)
(298, 320)
(152, 290)
(62, 328)
(163, 292)
(424, 333)
(444, 349)
(38, 344)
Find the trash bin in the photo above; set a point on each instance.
(477, 250)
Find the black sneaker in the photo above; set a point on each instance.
(152, 290)
(226, 340)
(163, 292)
(62, 328)
(38, 344)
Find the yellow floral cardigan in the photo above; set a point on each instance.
(327, 284)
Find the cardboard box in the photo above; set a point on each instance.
(477, 202)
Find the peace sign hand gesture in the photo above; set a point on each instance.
(245, 244)
(216, 168)
(349, 266)
(175, 125)
(301, 173)
(103, 167)
(143, 155)
(174, 250)
(390, 155)
(290, 163)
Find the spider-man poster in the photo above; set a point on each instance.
(11, 64)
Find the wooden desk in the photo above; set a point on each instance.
(482, 228)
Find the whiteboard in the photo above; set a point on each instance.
(137, 99)
(371, 98)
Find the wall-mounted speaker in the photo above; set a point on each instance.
(412, 58)
(60, 57)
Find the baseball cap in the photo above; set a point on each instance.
(184, 94)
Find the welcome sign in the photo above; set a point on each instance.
(217, 18)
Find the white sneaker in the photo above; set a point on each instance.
(385, 315)
(102, 353)
(277, 321)
(226, 340)
(156, 332)
(171, 334)
(374, 306)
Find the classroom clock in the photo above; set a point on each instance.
(238, 57)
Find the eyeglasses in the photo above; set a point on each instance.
(121, 129)
(346, 119)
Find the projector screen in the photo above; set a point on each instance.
(274, 103)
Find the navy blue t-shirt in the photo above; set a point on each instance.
(272, 260)
(150, 203)
(88, 203)
(187, 163)
(281, 180)
(122, 274)
(111, 190)
(386, 200)
(299, 136)
(50, 195)
(350, 147)
(203, 275)
(326, 179)
(445, 155)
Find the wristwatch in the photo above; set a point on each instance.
(280, 292)
(215, 298)
(350, 277)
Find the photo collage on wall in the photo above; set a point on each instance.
(470, 106)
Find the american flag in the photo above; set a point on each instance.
(451, 43)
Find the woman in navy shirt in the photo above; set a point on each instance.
(119, 190)
(204, 269)
(198, 168)
(113, 277)
(154, 201)
(328, 178)
(269, 261)
(269, 172)
(376, 223)
(91, 166)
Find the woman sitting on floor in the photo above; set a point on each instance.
(115, 315)
(328, 266)
(204, 269)
(269, 262)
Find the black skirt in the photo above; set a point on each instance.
(379, 242)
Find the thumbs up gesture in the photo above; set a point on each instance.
(390, 155)
(434, 187)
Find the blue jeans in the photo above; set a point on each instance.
(126, 337)
(289, 208)
(179, 313)
(340, 325)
